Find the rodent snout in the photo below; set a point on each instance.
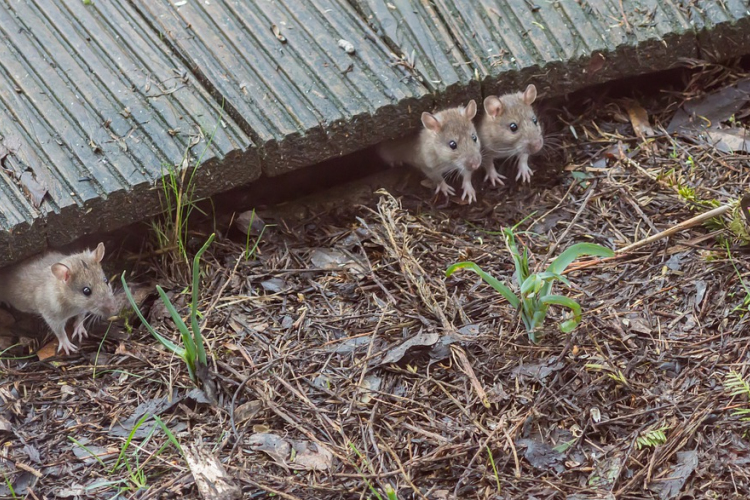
(474, 164)
(536, 145)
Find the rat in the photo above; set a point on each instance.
(448, 143)
(509, 128)
(59, 287)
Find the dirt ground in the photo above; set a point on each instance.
(347, 365)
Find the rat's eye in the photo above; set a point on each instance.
(533, 119)
(513, 127)
(453, 144)
(106, 280)
(474, 137)
(86, 291)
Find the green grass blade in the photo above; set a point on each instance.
(169, 434)
(187, 339)
(125, 446)
(575, 252)
(84, 448)
(568, 325)
(200, 348)
(179, 351)
(493, 282)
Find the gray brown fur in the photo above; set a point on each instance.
(500, 141)
(52, 285)
(430, 150)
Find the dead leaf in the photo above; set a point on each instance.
(595, 64)
(419, 342)
(331, 258)
(730, 140)
(639, 119)
(210, 476)
(247, 411)
(311, 456)
(33, 189)
(710, 110)
(671, 486)
(48, 350)
(541, 455)
(370, 384)
(537, 371)
(297, 455)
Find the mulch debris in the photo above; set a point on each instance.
(348, 366)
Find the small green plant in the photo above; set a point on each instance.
(390, 493)
(178, 190)
(136, 473)
(735, 385)
(536, 289)
(192, 352)
(652, 438)
(494, 468)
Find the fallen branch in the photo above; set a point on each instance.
(716, 212)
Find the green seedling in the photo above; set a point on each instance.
(536, 289)
(390, 493)
(735, 385)
(494, 468)
(192, 351)
(652, 438)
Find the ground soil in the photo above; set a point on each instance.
(342, 339)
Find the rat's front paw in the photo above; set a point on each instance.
(66, 345)
(494, 177)
(524, 172)
(470, 193)
(79, 333)
(444, 188)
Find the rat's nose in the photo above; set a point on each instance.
(474, 163)
(536, 145)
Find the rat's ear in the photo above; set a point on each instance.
(61, 272)
(493, 106)
(470, 111)
(431, 122)
(99, 252)
(529, 94)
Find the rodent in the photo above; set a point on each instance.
(448, 143)
(508, 128)
(59, 287)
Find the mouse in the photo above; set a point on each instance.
(60, 287)
(510, 128)
(448, 143)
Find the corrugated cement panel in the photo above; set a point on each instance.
(279, 67)
(94, 109)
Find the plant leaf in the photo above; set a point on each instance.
(179, 351)
(187, 339)
(577, 251)
(493, 282)
(568, 325)
(197, 334)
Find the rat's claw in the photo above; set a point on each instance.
(494, 177)
(67, 346)
(470, 193)
(444, 188)
(524, 172)
(80, 332)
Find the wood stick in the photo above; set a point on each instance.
(679, 227)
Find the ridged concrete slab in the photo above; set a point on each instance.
(279, 67)
(94, 108)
